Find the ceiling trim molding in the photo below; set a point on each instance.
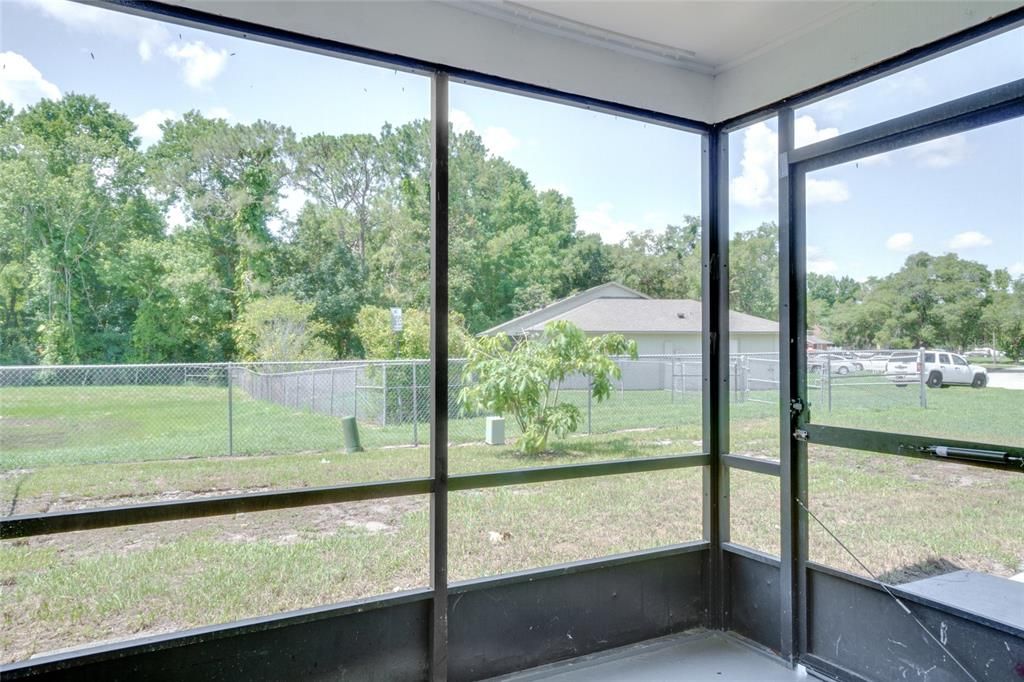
(552, 24)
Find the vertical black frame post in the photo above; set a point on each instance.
(439, 376)
(792, 398)
(715, 321)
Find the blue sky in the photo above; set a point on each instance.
(964, 194)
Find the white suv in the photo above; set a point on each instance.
(941, 368)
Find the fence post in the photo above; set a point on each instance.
(231, 414)
(828, 361)
(821, 383)
(672, 380)
(590, 407)
(921, 379)
(735, 381)
(415, 409)
(746, 378)
(330, 408)
(355, 393)
(384, 392)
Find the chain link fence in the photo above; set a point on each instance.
(110, 413)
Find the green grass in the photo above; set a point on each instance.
(904, 518)
(45, 426)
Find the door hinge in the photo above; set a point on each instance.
(796, 406)
(800, 435)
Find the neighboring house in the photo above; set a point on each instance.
(816, 340)
(660, 327)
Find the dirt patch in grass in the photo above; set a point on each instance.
(282, 527)
(40, 432)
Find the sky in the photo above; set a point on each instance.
(963, 194)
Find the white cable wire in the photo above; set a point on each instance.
(889, 592)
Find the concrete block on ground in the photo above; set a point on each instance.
(495, 431)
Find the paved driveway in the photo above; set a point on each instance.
(1007, 378)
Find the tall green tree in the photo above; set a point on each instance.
(72, 193)
(228, 180)
(1003, 318)
(661, 264)
(279, 328)
(754, 271)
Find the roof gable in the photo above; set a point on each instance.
(538, 318)
(650, 316)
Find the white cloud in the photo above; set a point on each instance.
(147, 125)
(757, 185)
(1017, 269)
(817, 262)
(969, 240)
(600, 221)
(806, 131)
(201, 64)
(499, 141)
(460, 120)
(826, 191)
(147, 33)
(941, 153)
(901, 241)
(22, 84)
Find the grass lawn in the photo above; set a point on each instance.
(904, 518)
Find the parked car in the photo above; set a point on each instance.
(833, 362)
(941, 368)
(876, 362)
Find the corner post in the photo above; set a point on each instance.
(715, 337)
(439, 377)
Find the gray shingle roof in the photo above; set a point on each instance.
(647, 316)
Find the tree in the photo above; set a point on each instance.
(280, 328)
(181, 315)
(524, 379)
(318, 267)
(1003, 319)
(345, 173)
(72, 193)
(374, 330)
(754, 272)
(228, 179)
(662, 264)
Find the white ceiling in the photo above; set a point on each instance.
(708, 37)
(707, 61)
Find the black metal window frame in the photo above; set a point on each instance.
(988, 107)
(715, 459)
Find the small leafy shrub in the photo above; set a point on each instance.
(523, 379)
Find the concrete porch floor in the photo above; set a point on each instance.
(696, 656)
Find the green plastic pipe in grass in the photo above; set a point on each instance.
(350, 432)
